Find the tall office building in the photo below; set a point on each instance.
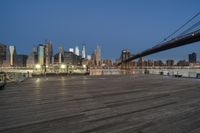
(192, 57)
(32, 58)
(61, 53)
(77, 52)
(41, 54)
(84, 51)
(48, 52)
(96, 57)
(12, 54)
(3, 49)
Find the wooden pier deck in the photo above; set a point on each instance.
(101, 104)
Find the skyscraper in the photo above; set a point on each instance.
(41, 54)
(84, 52)
(12, 53)
(32, 58)
(48, 52)
(61, 53)
(77, 52)
(192, 57)
(96, 57)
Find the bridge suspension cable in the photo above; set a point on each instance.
(190, 28)
(182, 26)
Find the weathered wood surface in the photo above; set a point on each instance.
(112, 104)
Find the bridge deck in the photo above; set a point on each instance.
(145, 104)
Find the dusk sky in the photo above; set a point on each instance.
(114, 24)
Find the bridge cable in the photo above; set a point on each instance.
(190, 28)
(180, 27)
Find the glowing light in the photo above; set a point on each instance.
(38, 66)
(84, 66)
(63, 66)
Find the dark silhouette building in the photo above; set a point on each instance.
(21, 60)
(3, 49)
(193, 57)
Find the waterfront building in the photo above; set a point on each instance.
(182, 63)
(107, 63)
(158, 63)
(150, 63)
(170, 62)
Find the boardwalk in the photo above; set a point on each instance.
(111, 104)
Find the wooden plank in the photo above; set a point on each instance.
(135, 103)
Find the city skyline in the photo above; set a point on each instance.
(112, 24)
